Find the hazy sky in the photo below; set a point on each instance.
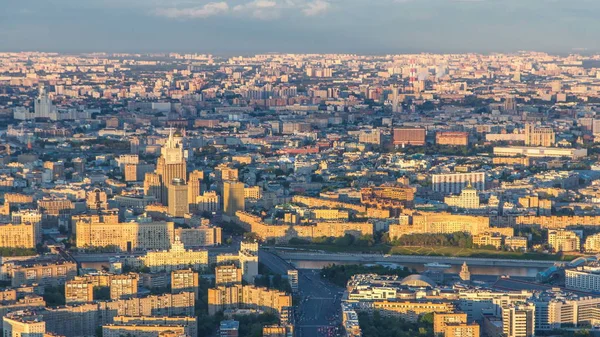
(320, 26)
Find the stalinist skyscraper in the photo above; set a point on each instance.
(170, 165)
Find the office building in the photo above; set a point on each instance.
(454, 183)
(409, 136)
(292, 275)
(233, 197)
(583, 279)
(518, 320)
(178, 198)
(194, 188)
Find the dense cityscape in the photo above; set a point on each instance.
(307, 195)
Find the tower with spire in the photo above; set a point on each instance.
(465, 274)
(171, 165)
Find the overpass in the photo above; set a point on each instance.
(293, 256)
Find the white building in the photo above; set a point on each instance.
(584, 279)
(44, 109)
(518, 320)
(453, 183)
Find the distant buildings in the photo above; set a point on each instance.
(539, 136)
(555, 152)
(441, 223)
(409, 136)
(452, 138)
(468, 199)
(453, 183)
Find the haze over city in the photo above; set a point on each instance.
(300, 26)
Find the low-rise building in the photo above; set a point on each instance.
(563, 241)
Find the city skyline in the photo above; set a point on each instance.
(297, 26)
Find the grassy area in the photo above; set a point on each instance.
(436, 251)
(481, 253)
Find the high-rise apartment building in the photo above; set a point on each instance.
(194, 187)
(292, 275)
(79, 290)
(184, 281)
(440, 320)
(227, 275)
(518, 320)
(233, 197)
(178, 198)
(123, 286)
